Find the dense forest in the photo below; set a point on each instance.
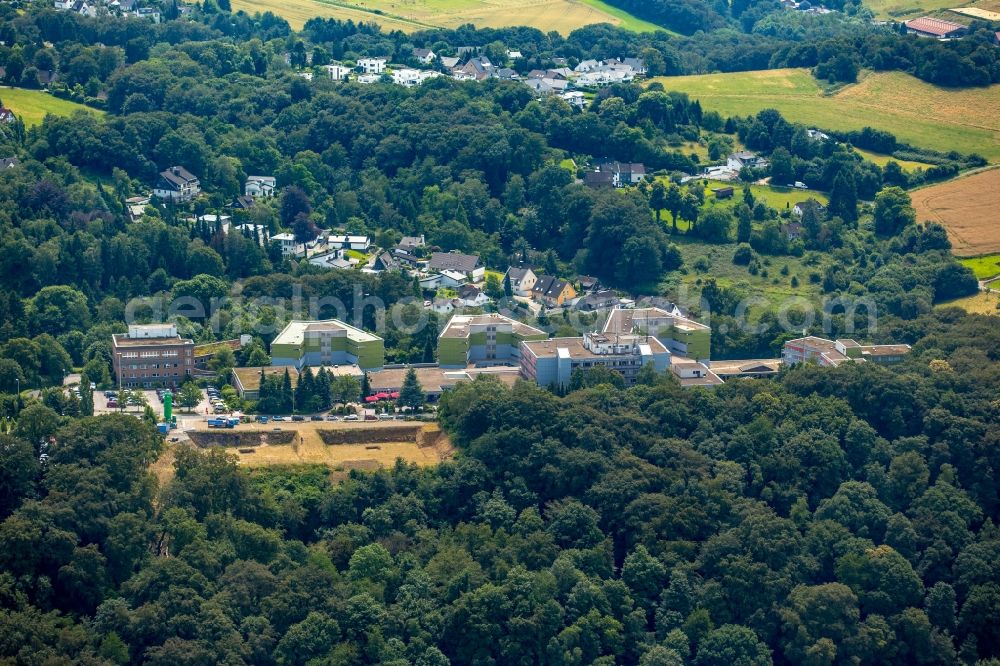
(831, 516)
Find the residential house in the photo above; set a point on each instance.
(936, 28)
(599, 300)
(449, 62)
(412, 77)
(243, 202)
(177, 184)
(476, 69)
(338, 72)
(588, 283)
(551, 291)
(471, 296)
(368, 79)
(442, 306)
(637, 64)
(7, 116)
(383, 261)
(150, 13)
(424, 56)
(801, 207)
(574, 98)
(514, 55)
(372, 65)
(451, 278)
(792, 230)
(466, 264)
(506, 74)
(286, 241)
(260, 186)
(411, 243)
(585, 66)
(522, 280)
(333, 259)
(430, 282)
(616, 174)
(745, 159)
(349, 242)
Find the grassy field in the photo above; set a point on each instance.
(703, 261)
(32, 105)
(967, 120)
(985, 267)
(562, 16)
(967, 207)
(907, 8)
(982, 303)
(881, 160)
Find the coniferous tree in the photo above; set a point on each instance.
(287, 397)
(844, 197)
(411, 394)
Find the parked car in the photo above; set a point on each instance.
(277, 418)
(316, 417)
(332, 417)
(298, 418)
(352, 417)
(385, 416)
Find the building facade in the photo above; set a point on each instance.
(484, 340)
(326, 343)
(552, 362)
(680, 335)
(151, 356)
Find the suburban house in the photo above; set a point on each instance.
(7, 116)
(371, 65)
(411, 243)
(404, 257)
(483, 340)
(286, 241)
(522, 280)
(409, 78)
(616, 174)
(449, 62)
(451, 278)
(801, 207)
(442, 306)
(588, 283)
(338, 72)
(383, 261)
(834, 352)
(151, 356)
(334, 259)
(551, 291)
(424, 56)
(792, 230)
(470, 296)
(177, 184)
(326, 342)
(926, 26)
(574, 98)
(475, 69)
(552, 362)
(466, 264)
(136, 207)
(745, 159)
(349, 242)
(260, 186)
(599, 300)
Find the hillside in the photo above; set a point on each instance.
(32, 105)
(562, 16)
(966, 120)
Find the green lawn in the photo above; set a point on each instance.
(882, 160)
(918, 113)
(628, 21)
(900, 9)
(985, 267)
(32, 105)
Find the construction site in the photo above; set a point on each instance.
(340, 446)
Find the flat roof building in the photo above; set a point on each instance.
(484, 340)
(151, 356)
(552, 362)
(832, 353)
(680, 335)
(326, 342)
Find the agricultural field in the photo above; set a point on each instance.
(985, 302)
(985, 267)
(904, 9)
(918, 113)
(967, 208)
(562, 16)
(32, 105)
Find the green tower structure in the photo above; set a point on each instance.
(168, 406)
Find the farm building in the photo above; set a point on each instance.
(926, 26)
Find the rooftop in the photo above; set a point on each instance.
(466, 263)
(745, 367)
(574, 347)
(249, 378)
(460, 326)
(294, 333)
(122, 340)
(934, 26)
(436, 380)
(623, 320)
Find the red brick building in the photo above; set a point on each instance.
(151, 356)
